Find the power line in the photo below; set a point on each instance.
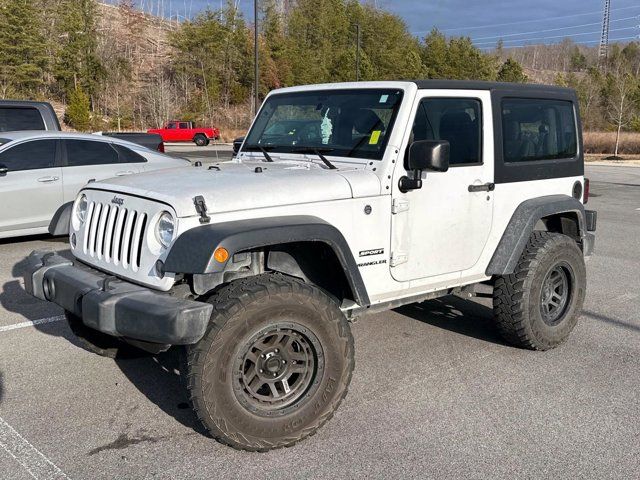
(558, 36)
(477, 27)
(635, 37)
(555, 29)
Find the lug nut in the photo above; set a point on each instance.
(275, 374)
(277, 350)
(284, 361)
(261, 371)
(262, 356)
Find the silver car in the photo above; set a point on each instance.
(40, 171)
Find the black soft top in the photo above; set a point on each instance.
(519, 88)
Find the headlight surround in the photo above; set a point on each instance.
(81, 208)
(165, 229)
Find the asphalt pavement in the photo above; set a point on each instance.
(435, 393)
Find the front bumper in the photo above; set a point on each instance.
(113, 306)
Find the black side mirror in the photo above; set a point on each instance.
(3, 170)
(424, 155)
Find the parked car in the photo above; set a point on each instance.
(152, 141)
(22, 115)
(176, 131)
(40, 171)
(399, 193)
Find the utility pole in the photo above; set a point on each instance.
(256, 88)
(603, 51)
(357, 52)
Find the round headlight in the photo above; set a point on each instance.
(165, 229)
(81, 208)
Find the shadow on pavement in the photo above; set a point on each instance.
(611, 321)
(14, 298)
(456, 315)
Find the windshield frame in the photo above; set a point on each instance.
(328, 149)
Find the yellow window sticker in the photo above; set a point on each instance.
(375, 137)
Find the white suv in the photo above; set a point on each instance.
(344, 199)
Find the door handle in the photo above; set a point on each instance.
(487, 187)
(48, 179)
(123, 173)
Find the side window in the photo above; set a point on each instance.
(538, 129)
(30, 155)
(85, 152)
(128, 156)
(172, 126)
(184, 126)
(20, 118)
(457, 120)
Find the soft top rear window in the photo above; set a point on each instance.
(20, 118)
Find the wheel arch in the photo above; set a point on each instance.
(305, 247)
(553, 213)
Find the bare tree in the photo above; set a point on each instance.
(159, 99)
(620, 106)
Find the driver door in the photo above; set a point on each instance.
(441, 229)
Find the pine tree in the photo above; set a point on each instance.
(78, 65)
(78, 114)
(511, 71)
(22, 47)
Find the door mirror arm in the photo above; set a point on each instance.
(407, 184)
(3, 170)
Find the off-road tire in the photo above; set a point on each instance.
(200, 140)
(518, 297)
(100, 343)
(242, 311)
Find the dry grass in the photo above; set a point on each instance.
(605, 142)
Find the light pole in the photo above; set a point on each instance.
(256, 59)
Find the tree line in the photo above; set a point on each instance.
(144, 71)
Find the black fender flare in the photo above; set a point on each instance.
(192, 252)
(61, 220)
(523, 221)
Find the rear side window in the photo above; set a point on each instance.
(20, 118)
(456, 120)
(128, 156)
(538, 129)
(85, 152)
(184, 125)
(30, 155)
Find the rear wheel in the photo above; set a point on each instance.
(274, 364)
(200, 140)
(538, 305)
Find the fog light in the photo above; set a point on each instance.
(73, 240)
(221, 255)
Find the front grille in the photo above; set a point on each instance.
(115, 235)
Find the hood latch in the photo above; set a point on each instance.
(201, 209)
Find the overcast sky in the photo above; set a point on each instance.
(528, 21)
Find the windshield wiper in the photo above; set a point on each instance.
(318, 152)
(262, 149)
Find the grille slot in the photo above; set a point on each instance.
(115, 235)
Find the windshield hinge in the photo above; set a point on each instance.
(399, 205)
(201, 209)
(398, 258)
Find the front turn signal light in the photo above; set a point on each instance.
(221, 255)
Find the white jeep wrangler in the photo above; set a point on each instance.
(344, 199)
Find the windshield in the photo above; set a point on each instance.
(341, 123)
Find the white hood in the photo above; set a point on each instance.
(237, 186)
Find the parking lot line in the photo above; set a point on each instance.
(31, 459)
(31, 323)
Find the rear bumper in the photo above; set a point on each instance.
(113, 306)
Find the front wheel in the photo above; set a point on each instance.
(537, 306)
(274, 365)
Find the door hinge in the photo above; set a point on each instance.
(399, 205)
(398, 258)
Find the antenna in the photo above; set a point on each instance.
(603, 52)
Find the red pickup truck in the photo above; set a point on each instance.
(176, 131)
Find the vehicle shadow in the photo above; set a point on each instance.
(15, 299)
(457, 315)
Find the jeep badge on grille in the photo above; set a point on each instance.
(117, 200)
